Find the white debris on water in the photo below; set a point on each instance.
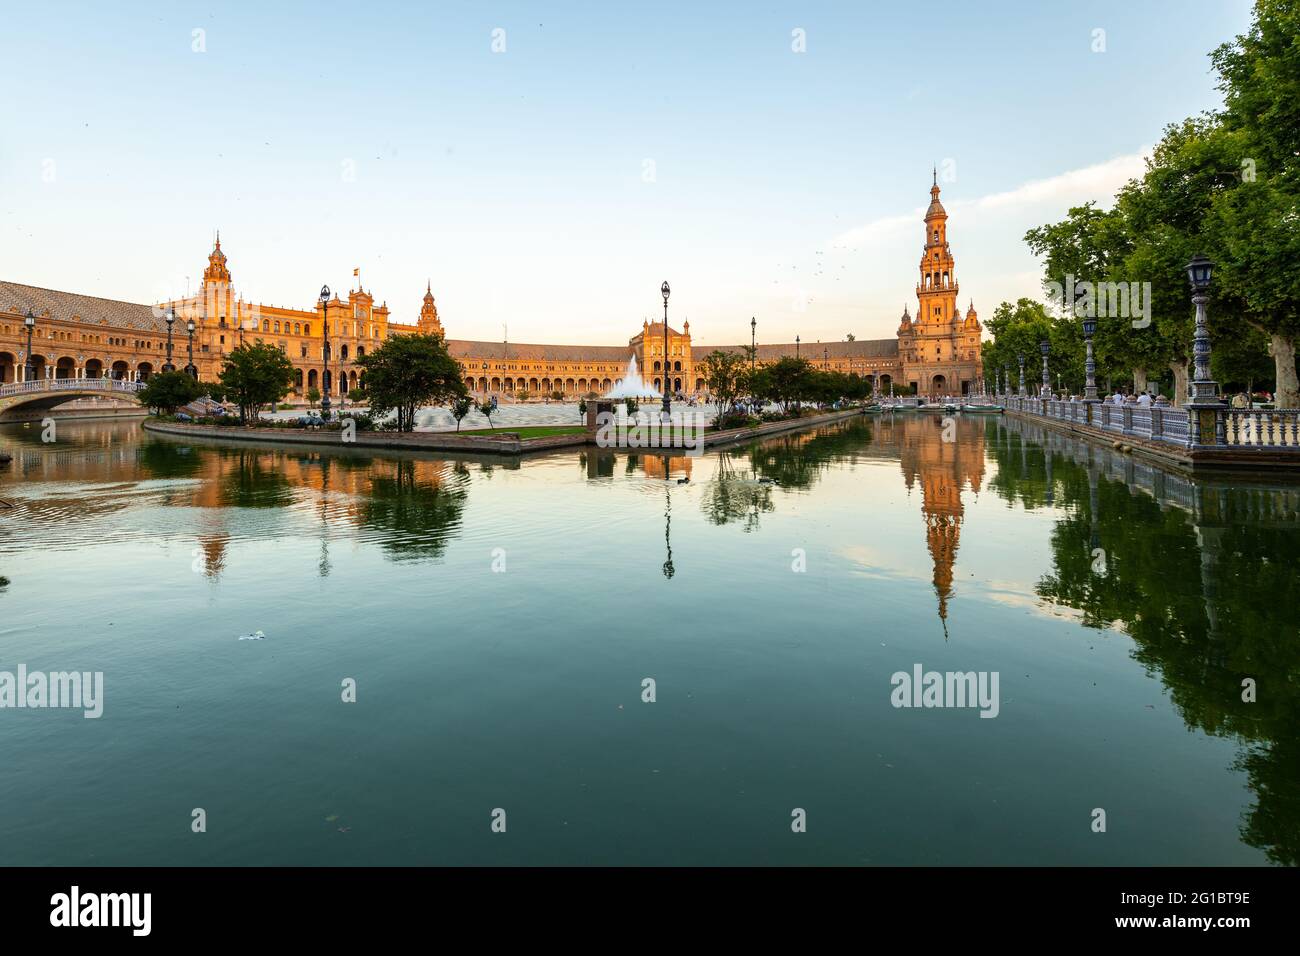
(255, 636)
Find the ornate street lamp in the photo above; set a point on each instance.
(1044, 347)
(1204, 389)
(665, 292)
(1020, 357)
(191, 367)
(753, 341)
(170, 318)
(1089, 363)
(1006, 379)
(826, 358)
(29, 369)
(796, 346)
(325, 373)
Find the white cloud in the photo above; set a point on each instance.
(1099, 182)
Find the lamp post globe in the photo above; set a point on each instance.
(170, 319)
(28, 368)
(1204, 389)
(665, 292)
(325, 354)
(1089, 363)
(191, 368)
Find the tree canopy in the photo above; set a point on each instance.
(407, 372)
(255, 375)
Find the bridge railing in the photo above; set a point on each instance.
(46, 385)
(1274, 429)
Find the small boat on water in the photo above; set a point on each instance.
(979, 409)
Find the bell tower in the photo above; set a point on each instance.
(937, 290)
(429, 323)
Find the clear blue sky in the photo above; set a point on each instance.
(785, 185)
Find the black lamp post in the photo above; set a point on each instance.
(29, 369)
(826, 358)
(1020, 357)
(325, 354)
(1204, 389)
(665, 291)
(1045, 347)
(753, 341)
(1089, 363)
(190, 367)
(171, 318)
(796, 346)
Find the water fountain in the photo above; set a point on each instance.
(632, 385)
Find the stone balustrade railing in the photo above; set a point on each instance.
(71, 385)
(1187, 427)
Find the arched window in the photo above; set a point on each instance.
(266, 325)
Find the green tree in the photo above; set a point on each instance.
(313, 396)
(785, 381)
(168, 391)
(256, 375)
(487, 410)
(461, 406)
(1017, 330)
(408, 371)
(726, 374)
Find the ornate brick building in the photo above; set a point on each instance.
(79, 336)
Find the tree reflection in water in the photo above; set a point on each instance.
(1202, 574)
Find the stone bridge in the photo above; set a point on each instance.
(46, 393)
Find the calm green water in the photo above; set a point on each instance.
(499, 619)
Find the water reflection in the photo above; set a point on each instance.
(1202, 574)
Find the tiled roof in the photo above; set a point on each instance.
(861, 349)
(71, 307)
(657, 328)
(521, 351)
